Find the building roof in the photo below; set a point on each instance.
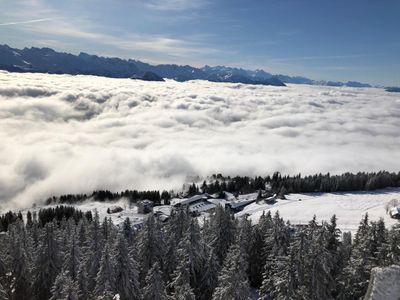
(186, 201)
(163, 209)
(202, 206)
(394, 211)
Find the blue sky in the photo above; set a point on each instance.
(321, 39)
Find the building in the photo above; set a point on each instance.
(241, 201)
(114, 209)
(394, 212)
(145, 206)
(163, 212)
(196, 204)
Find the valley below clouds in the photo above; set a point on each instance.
(75, 134)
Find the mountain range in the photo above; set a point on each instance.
(46, 60)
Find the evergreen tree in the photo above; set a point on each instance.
(29, 221)
(180, 284)
(193, 247)
(393, 253)
(232, 280)
(154, 288)
(355, 276)
(20, 264)
(82, 281)
(126, 272)
(94, 252)
(256, 261)
(319, 267)
(128, 231)
(72, 259)
(57, 290)
(47, 264)
(70, 290)
(171, 253)
(3, 293)
(150, 246)
(105, 279)
(209, 278)
(221, 232)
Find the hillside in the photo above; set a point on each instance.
(349, 207)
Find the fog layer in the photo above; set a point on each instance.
(70, 134)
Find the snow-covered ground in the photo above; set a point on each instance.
(348, 207)
(297, 208)
(129, 211)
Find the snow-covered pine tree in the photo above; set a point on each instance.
(344, 251)
(193, 243)
(319, 267)
(47, 263)
(93, 252)
(150, 246)
(33, 231)
(209, 278)
(73, 258)
(3, 293)
(70, 290)
(232, 280)
(82, 234)
(126, 271)
(355, 276)
(256, 260)
(393, 256)
(154, 288)
(221, 232)
(58, 286)
(180, 284)
(284, 278)
(107, 293)
(20, 263)
(178, 224)
(379, 242)
(82, 282)
(128, 231)
(332, 244)
(170, 253)
(105, 279)
(245, 235)
(300, 247)
(279, 235)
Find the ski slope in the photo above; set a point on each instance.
(348, 207)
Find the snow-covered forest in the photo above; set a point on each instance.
(83, 257)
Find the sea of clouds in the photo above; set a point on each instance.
(71, 134)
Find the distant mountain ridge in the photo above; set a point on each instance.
(47, 60)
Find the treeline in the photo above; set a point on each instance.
(335, 183)
(44, 216)
(7, 219)
(105, 195)
(57, 214)
(221, 260)
(278, 183)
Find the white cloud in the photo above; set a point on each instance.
(26, 22)
(126, 41)
(69, 134)
(175, 5)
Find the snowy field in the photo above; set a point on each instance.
(348, 207)
(129, 211)
(72, 134)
